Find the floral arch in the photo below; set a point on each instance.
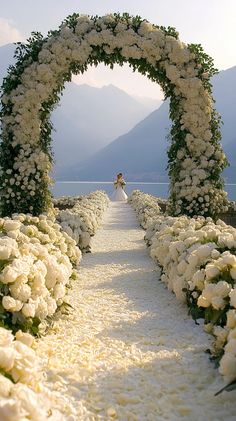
(33, 87)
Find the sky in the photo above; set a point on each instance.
(211, 23)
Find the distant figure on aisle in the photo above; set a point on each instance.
(119, 195)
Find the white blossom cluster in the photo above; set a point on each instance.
(232, 206)
(23, 393)
(66, 202)
(82, 220)
(198, 256)
(109, 34)
(36, 260)
(145, 205)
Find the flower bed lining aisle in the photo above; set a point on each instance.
(198, 261)
(38, 261)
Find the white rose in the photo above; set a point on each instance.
(25, 366)
(229, 259)
(10, 410)
(11, 304)
(218, 303)
(215, 254)
(222, 289)
(198, 279)
(7, 358)
(25, 338)
(209, 292)
(59, 291)
(10, 225)
(8, 275)
(230, 347)
(28, 310)
(221, 333)
(233, 272)
(182, 266)
(20, 291)
(42, 309)
(29, 402)
(5, 387)
(228, 366)
(233, 298)
(231, 319)
(8, 248)
(51, 305)
(232, 334)
(6, 337)
(211, 271)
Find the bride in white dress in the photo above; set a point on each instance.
(119, 195)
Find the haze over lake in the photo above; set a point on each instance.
(76, 188)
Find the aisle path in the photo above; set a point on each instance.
(129, 351)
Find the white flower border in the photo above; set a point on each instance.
(198, 262)
(36, 260)
(24, 392)
(196, 158)
(83, 218)
(38, 257)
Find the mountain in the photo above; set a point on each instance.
(87, 118)
(230, 151)
(224, 92)
(141, 153)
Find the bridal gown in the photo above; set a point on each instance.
(119, 195)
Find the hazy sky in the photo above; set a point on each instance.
(211, 23)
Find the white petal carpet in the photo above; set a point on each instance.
(129, 351)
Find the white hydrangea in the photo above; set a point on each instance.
(189, 252)
(23, 392)
(83, 217)
(38, 261)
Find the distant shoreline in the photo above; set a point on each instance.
(110, 182)
(128, 182)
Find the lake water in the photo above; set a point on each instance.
(76, 188)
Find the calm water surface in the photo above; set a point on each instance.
(76, 188)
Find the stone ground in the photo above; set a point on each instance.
(128, 350)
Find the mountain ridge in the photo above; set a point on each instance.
(151, 128)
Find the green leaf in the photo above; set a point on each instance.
(228, 388)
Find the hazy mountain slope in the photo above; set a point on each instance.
(89, 118)
(141, 152)
(224, 90)
(230, 151)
